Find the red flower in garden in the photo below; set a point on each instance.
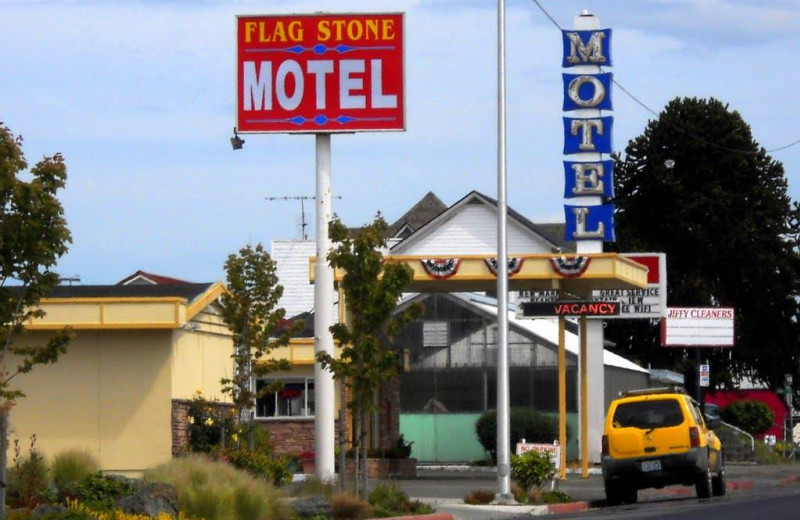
(307, 455)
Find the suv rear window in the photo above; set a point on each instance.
(648, 414)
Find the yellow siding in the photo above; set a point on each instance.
(199, 361)
(73, 313)
(109, 394)
(135, 313)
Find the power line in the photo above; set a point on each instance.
(685, 132)
(302, 199)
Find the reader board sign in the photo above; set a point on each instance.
(698, 327)
(649, 303)
(320, 73)
(554, 450)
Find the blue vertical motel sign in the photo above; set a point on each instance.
(588, 135)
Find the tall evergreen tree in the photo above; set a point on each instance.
(698, 187)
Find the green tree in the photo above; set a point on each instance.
(33, 236)
(372, 289)
(250, 310)
(750, 415)
(697, 187)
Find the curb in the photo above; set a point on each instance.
(741, 484)
(438, 516)
(570, 507)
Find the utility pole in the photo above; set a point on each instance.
(302, 199)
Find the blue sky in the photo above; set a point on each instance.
(139, 96)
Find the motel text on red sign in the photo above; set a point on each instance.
(320, 73)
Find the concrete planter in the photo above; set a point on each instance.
(385, 468)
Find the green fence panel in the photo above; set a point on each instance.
(452, 437)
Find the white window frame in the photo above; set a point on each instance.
(290, 380)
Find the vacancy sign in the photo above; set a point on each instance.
(697, 327)
(320, 73)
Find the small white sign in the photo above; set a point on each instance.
(698, 327)
(705, 375)
(554, 450)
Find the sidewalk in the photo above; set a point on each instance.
(444, 487)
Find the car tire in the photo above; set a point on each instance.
(614, 492)
(630, 495)
(718, 487)
(702, 484)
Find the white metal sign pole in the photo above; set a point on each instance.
(503, 412)
(323, 317)
(592, 406)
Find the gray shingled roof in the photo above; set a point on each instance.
(428, 208)
(190, 291)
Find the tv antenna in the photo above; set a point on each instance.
(302, 199)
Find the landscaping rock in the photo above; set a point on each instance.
(151, 500)
(310, 506)
(47, 509)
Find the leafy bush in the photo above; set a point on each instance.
(213, 490)
(402, 448)
(525, 424)
(207, 422)
(532, 469)
(388, 501)
(556, 497)
(101, 492)
(313, 486)
(28, 479)
(70, 468)
(259, 464)
(479, 497)
(752, 416)
(68, 514)
(537, 496)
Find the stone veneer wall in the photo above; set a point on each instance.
(296, 435)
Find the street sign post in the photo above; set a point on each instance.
(705, 375)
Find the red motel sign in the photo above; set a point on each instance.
(320, 73)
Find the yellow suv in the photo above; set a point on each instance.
(658, 437)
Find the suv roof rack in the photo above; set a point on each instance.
(673, 389)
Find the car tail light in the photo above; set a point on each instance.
(605, 445)
(694, 437)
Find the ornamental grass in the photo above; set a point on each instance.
(211, 490)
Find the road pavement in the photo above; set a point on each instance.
(445, 487)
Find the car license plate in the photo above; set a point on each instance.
(651, 465)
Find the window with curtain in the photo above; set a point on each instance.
(295, 399)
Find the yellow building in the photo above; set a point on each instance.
(121, 391)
